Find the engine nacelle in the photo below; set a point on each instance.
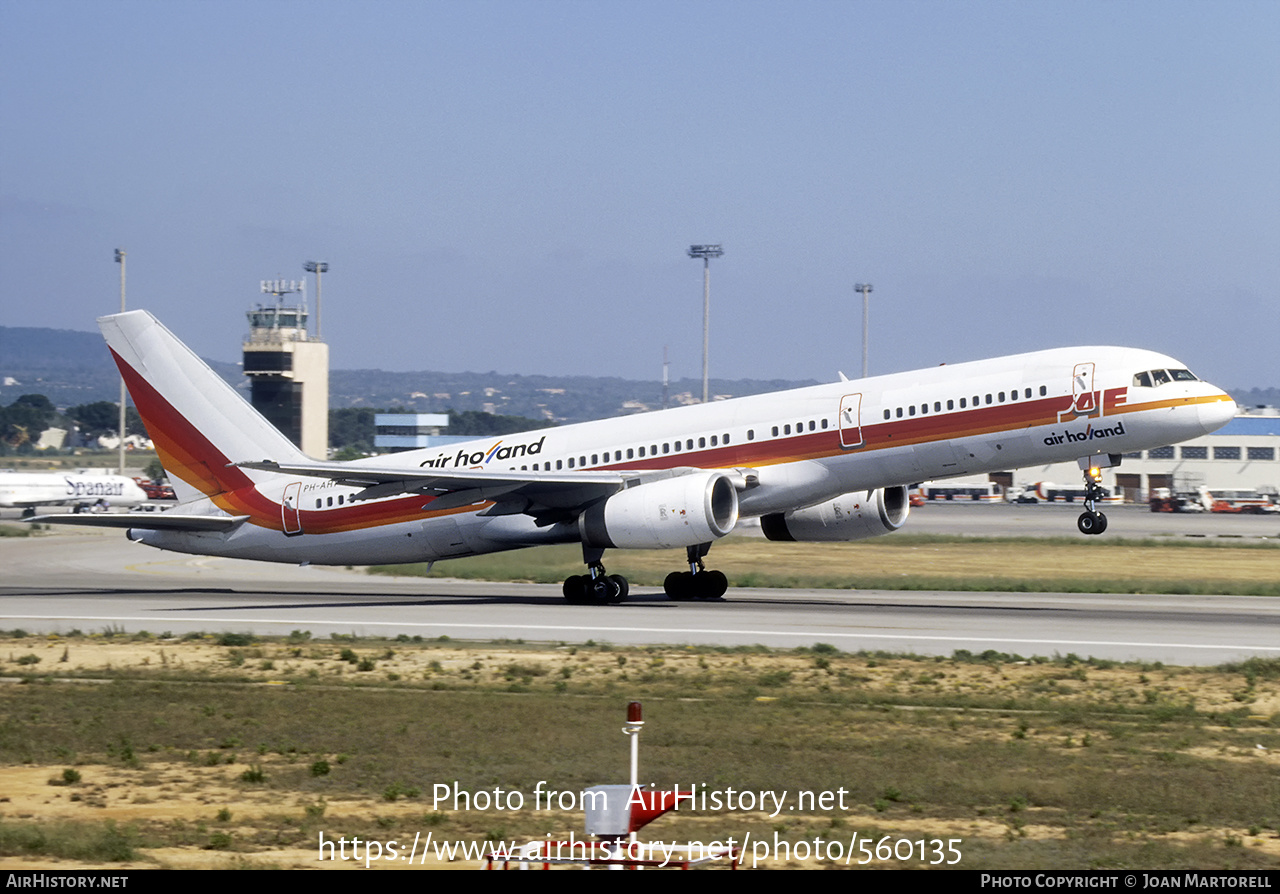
(854, 516)
(672, 512)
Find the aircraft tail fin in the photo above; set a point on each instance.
(198, 423)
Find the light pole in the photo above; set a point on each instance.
(120, 257)
(865, 289)
(318, 268)
(706, 252)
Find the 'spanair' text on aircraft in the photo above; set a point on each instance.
(80, 489)
(823, 463)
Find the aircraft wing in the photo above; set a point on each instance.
(152, 521)
(544, 496)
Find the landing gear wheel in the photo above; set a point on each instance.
(1091, 523)
(622, 588)
(679, 586)
(683, 586)
(575, 589)
(582, 589)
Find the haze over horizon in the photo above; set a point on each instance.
(510, 186)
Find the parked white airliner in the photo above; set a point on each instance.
(823, 463)
(80, 489)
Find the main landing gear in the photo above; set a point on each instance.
(1091, 521)
(596, 587)
(697, 582)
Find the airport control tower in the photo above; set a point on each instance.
(288, 369)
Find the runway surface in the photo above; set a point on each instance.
(81, 579)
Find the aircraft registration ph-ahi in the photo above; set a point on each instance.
(822, 463)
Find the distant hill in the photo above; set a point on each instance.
(72, 368)
(64, 365)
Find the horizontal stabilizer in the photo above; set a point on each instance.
(150, 521)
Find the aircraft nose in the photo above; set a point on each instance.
(1217, 414)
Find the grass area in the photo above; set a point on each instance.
(923, 562)
(1031, 763)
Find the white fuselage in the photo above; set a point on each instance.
(27, 489)
(786, 451)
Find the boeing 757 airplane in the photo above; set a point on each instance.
(823, 463)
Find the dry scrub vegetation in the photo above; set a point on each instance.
(228, 751)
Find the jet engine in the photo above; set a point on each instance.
(672, 512)
(854, 516)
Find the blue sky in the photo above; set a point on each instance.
(513, 185)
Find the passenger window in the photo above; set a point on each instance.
(951, 405)
(702, 442)
(1043, 390)
(726, 438)
(963, 403)
(887, 414)
(713, 440)
(630, 453)
(899, 412)
(911, 410)
(642, 451)
(786, 429)
(751, 434)
(666, 448)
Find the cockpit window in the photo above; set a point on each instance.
(1154, 377)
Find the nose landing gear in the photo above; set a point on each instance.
(1091, 521)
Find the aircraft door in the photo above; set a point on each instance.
(851, 421)
(289, 508)
(1084, 400)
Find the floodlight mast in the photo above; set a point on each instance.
(865, 289)
(706, 252)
